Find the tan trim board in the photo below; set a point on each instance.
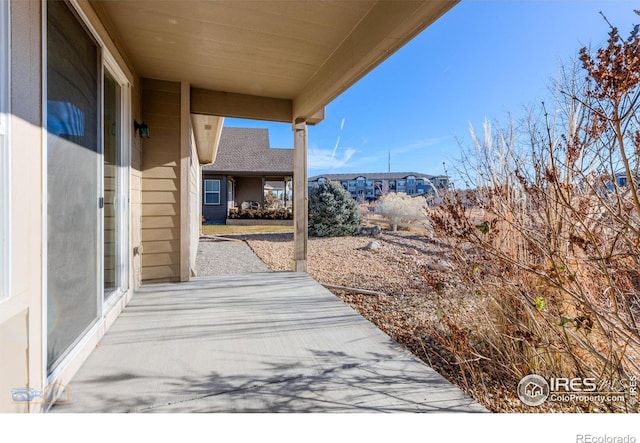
(228, 104)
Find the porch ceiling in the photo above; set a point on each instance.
(303, 53)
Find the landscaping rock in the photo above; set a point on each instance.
(442, 265)
(373, 246)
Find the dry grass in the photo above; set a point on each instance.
(236, 229)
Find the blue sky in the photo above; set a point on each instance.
(483, 59)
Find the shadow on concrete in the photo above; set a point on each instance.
(273, 342)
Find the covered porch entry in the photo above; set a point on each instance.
(114, 106)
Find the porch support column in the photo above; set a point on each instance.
(185, 222)
(300, 201)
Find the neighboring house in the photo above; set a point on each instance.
(107, 110)
(246, 168)
(370, 186)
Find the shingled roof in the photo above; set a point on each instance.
(246, 150)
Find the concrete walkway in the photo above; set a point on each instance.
(269, 342)
(226, 257)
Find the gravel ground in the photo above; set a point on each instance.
(395, 268)
(223, 257)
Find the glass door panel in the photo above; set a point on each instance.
(73, 172)
(111, 190)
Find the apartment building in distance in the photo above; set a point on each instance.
(370, 186)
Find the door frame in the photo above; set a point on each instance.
(67, 366)
(122, 229)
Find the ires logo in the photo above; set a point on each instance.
(577, 384)
(534, 390)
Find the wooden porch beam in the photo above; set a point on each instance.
(229, 104)
(300, 200)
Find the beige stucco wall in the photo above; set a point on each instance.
(161, 165)
(21, 313)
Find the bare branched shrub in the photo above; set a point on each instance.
(400, 206)
(551, 248)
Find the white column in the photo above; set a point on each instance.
(300, 200)
(185, 140)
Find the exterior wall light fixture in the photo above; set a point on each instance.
(142, 128)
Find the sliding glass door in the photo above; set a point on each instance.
(86, 182)
(73, 184)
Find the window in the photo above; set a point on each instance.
(212, 192)
(360, 181)
(4, 148)
(621, 180)
(442, 182)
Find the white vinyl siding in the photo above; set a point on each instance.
(4, 148)
(212, 192)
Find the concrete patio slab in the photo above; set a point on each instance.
(268, 342)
